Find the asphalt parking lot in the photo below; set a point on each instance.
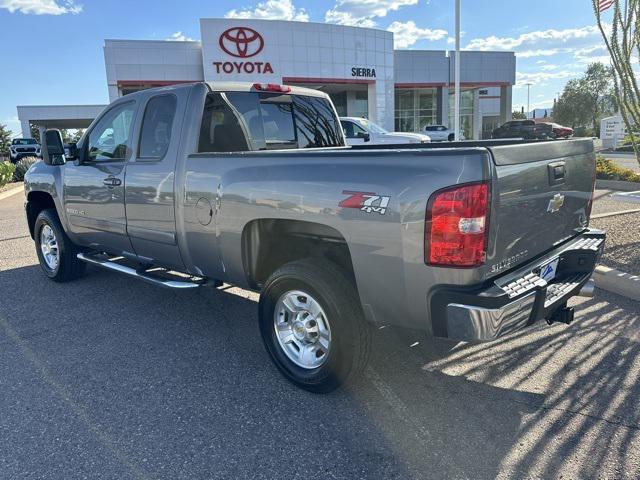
(113, 378)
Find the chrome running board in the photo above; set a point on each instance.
(153, 275)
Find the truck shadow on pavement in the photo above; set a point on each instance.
(156, 383)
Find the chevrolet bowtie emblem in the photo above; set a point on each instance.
(555, 203)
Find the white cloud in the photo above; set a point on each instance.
(542, 78)
(273, 10)
(363, 13)
(41, 7)
(179, 37)
(406, 34)
(542, 42)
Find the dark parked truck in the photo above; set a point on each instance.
(527, 129)
(252, 185)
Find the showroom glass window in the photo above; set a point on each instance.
(110, 138)
(415, 108)
(157, 122)
(467, 101)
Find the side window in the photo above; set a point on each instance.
(316, 123)
(431, 128)
(223, 129)
(110, 137)
(155, 134)
(356, 130)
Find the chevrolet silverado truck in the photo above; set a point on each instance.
(252, 185)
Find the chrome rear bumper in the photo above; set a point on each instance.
(520, 298)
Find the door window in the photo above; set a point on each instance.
(351, 130)
(110, 137)
(155, 134)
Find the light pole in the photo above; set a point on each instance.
(528, 97)
(456, 115)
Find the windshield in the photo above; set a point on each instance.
(372, 127)
(24, 141)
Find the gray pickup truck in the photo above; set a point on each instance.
(252, 185)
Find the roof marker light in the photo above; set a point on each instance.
(272, 87)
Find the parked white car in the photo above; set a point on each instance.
(360, 130)
(440, 133)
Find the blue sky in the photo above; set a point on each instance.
(53, 48)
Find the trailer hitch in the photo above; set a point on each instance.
(563, 314)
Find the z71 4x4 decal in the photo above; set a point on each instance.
(367, 202)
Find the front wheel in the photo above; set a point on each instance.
(451, 137)
(312, 325)
(56, 253)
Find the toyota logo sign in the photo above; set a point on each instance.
(241, 42)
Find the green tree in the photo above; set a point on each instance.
(597, 81)
(5, 140)
(517, 115)
(571, 107)
(585, 100)
(35, 132)
(621, 36)
(76, 135)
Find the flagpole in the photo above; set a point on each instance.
(457, 76)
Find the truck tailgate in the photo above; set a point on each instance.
(541, 197)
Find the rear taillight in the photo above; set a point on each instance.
(272, 87)
(456, 226)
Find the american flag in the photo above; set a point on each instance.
(604, 4)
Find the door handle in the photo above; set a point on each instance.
(112, 181)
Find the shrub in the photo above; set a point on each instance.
(22, 166)
(606, 169)
(583, 132)
(6, 172)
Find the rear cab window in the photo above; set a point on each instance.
(249, 121)
(157, 123)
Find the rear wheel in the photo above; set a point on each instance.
(56, 253)
(312, 325)
(451, 137)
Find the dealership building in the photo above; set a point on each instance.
(402, 90)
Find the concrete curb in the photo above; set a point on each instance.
(11, 192)
(613, 214)
(617, 282)
(617, 185)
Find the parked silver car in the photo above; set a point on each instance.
(440, 133)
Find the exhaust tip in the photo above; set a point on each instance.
(588, 289)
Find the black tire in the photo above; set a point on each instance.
(350, 333)
(68, 266)
(451, 137)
